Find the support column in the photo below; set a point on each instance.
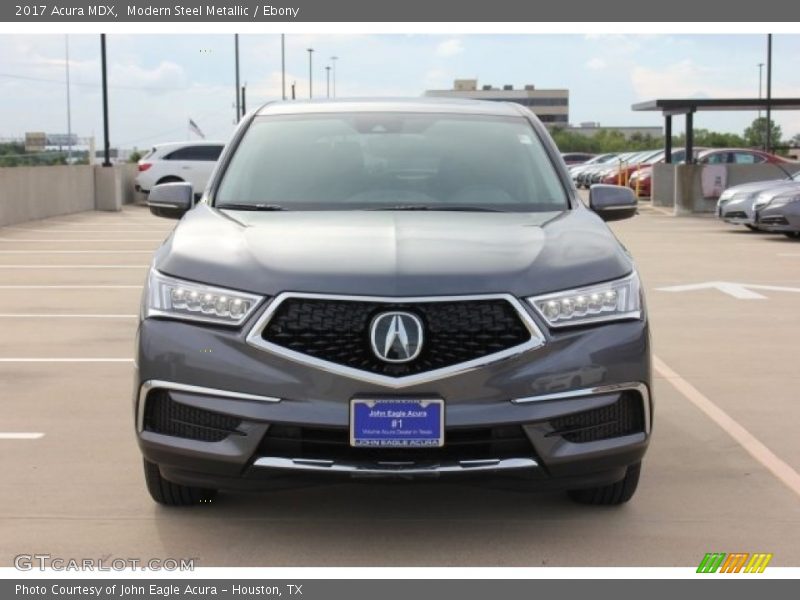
(667, 139)
(689, 138)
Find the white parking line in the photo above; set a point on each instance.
(57, 316)
(73, 266)
(76, 251)
(88, 230)
(66, 360)
(783, 471)
(70, 287)
(20, 436)
(71, 241)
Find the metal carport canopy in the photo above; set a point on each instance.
(688, 106)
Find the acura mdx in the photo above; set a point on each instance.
(392, 289)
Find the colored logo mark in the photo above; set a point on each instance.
(737, 562)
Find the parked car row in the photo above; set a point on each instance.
(641, 180)
(772, 205)
(635, 169)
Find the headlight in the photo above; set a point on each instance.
(726, 195)
(612, 301)
(170, 297)
(782, 200)
(761, 201)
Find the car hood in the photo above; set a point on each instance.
(755, 186)
(393, 253)
(786, 187)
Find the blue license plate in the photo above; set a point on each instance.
(397, 423)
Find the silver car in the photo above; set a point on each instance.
(779, 213)
(735, 204)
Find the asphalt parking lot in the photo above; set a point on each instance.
(720, 476)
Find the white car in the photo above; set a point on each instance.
(191, 162)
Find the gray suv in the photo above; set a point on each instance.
(392, 289)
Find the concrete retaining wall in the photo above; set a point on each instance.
(681, 187)
(662, 190)
(30, 193)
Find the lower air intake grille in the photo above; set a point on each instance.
(165, 416)
(776, 220)
(289, 441)
(624, 417)
(735, 214)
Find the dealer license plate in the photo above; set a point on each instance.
(397, 423)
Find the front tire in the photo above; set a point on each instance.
(610, 495)
(792, 235)
(173, 494)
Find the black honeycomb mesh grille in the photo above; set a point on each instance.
(338, 331)
(624, 417)
(167, 417)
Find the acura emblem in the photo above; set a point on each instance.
(396, 336)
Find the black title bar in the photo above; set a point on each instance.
(440, 11)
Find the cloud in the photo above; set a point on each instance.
(449, 48)
(596, 64)
(684, 79)
(164, 76)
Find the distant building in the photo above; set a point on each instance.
(592, 128)
(551, 106)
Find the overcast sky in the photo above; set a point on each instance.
(159, 81)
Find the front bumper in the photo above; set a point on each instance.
(783, 219)
(576, 371)
(737, 212)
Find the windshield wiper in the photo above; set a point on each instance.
(442, 207)
(245, 206)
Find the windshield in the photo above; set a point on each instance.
(345, 161)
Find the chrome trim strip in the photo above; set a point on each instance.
(637, 386)
(394, 468)
(154, 384)
(254, 338)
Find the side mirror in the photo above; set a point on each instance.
(612, 202)
(171, 200)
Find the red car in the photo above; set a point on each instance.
(706, 156)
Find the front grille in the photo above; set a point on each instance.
(624, 417)
(165, 416)
(338, 331)
(735, 214)
(290, 441)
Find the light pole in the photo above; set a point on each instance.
(236, 44)
(760, 68)
(104, 70)
(328, 81)
(283, 65)
(69, 107)
(310, 74)
(769, 93)
(333, 62)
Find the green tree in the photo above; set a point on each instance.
(756, 133)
